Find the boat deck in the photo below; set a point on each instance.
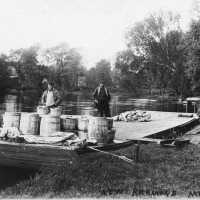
(161, 121)
(36, 155)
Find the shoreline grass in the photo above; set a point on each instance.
(164, 170)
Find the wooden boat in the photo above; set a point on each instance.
(38, 155)
(117, 144)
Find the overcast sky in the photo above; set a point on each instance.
(96, 27)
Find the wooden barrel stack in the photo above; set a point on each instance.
(56, 111)
(100, 129)
(49, 122)
(49, 125)
(94, 129)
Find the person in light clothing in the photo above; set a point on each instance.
(51, 97)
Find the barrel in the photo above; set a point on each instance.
(49, 125)
(10, 103)
(82, 135)
(100, 129)
(56, 111)
(11, 119)
(42, 110)
(29, 123)
(83, 123)
(68, 122)
(110, 123)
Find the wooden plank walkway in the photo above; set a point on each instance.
(160, 122)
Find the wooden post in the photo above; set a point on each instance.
(137, 152)
(194, 106)
(198, 107)
(185, 103)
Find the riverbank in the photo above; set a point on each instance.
(160, 171)
(143, 94)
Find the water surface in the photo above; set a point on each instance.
(82, 103)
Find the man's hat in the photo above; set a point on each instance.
(44, 81)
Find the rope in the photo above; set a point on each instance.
(124, 158)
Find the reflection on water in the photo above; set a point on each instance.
(82, 104)
(10, 103)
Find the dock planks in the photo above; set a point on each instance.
(161, 121)
(37, 155)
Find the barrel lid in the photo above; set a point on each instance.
(85, 116)
(99, 117)
(30, 113)
(83, 119)
(57, 108)
(108, 118)
(42, 107)
(12, 113)
(49, 116)
(68, 117)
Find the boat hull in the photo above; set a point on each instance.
(34, 156)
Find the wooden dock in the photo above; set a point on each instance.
(161, 121)
(128, 133)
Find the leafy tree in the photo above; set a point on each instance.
(129, 67)
(193, 56)
(195, 10)
(100, 73)
(103, 72)
(65, 63)
(29, 71)
(153, 39)
(175, 41)
(4, 76)
(91, 78)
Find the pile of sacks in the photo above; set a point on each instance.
(11, 134)
(68, 139)
(129, 116)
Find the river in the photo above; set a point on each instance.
(82, 104)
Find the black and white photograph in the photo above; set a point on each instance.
(99, 99)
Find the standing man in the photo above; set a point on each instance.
(102, 98)
(51, 97)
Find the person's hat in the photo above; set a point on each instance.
(44, 81)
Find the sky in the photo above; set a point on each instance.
(95, 27)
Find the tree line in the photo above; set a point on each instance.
(159, 58)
